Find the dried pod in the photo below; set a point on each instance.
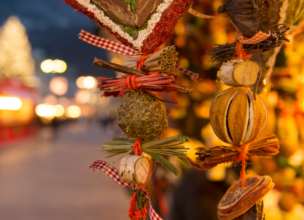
(244, 14)
(141, 115)
(236, 117)
(238, 200)
(134, 169)
(239, 72)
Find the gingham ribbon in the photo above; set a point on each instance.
(193, 75)
(257, 38)
(107, 44)
(113, 173)
(199, 15)
(121, 49)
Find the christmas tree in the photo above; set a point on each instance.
(15, 54)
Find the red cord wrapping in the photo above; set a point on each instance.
(242, 156)
(136, 214)
(136, 147)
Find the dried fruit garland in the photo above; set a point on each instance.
(141, 26)
(237, 115)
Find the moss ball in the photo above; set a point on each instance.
(141, 115)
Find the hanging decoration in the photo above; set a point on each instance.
(142, 25)
(238, 200)
(238, 115)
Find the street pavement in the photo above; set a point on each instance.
(48, 179)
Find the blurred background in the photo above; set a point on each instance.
(53, 120)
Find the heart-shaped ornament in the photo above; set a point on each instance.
(141, 24)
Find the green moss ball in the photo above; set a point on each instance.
(141, 115)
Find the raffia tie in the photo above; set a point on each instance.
(136, 214)
(242, 156)
(136, 147)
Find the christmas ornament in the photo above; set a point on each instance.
(141, 115)
(244, 14)
(231, 73)
(134, 169)
(142, 25)
(239, 200)
(236, 117)
(266, 146)
(171, 146)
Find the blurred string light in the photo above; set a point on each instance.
(86, 82)
(73, 111)
(54, 66)
(59, 85)
(10, 103)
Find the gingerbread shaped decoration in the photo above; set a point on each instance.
(143, 25)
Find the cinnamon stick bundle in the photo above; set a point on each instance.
(161, 82)
(161, 61)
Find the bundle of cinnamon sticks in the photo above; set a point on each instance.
(161, 82)
(161, 61)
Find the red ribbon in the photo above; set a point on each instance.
(136, 214)
(136, 147)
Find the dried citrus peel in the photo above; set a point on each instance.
(238, 200)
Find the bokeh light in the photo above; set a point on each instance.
(79, 82)
(54, 66)
(46, 110)
(51, 99)
(73, 111)
(59, 85)
(59, 110)
(89, 82)
(47, 66)
(10, 103)
(59, 66)
(82, 96)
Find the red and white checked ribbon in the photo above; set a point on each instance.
(107, 44)
(113, 173)
(193, 75)
(121, 49)
(257, 38)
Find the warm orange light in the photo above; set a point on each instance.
(45, 110)
(59, 110)
(79, 82)
(59, 85)
(73, 111)
(10, 103)
(82, 96)
(89, 82)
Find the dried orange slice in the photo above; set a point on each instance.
(236, 193)
(237, 201)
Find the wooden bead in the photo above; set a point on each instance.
(239, 72)
(134, 169)
(236, 117)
